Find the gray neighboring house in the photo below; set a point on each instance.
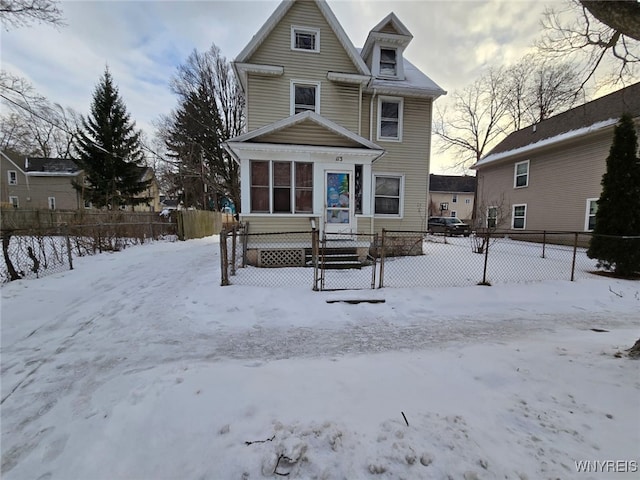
(39, 183)
(452, 196)
(547, 176)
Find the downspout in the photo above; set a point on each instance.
(360, 109)
(373, 187)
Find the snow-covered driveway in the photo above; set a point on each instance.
(138, 365)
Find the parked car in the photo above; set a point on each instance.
(449, 226)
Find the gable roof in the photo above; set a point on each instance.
(305, 117)
(388, 28)
(50, 165)
(12, 158)
(452, 183)
(281, 11)
(579, 121)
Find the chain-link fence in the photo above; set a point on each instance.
(404, 258)
(35, 252)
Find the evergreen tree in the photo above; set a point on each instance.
(618, 211)
(109, 150)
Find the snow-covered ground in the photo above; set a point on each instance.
(138, 365)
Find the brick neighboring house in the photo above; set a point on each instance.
(547, 176)
(46, 183)
(452, 196)
(337, 137)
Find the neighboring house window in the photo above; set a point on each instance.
(453, 214)
(12, 177)
(388, 195)
(521, 174)
(305, 96)
(455, 198)
(467, 201)
(87, 204)
(306, 39)
(492, 217)
(390, 118)
(592, 208)
(291, 185)
(519, 217)
(388, 62)
(52, 203)
(14, 201)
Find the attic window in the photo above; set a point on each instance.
(307, 39)
(388, 64)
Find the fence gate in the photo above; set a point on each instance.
(347, 262)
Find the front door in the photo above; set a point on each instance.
(338, 202)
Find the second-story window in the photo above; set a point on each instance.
(304, 97)
(521, 174)
(306, 39)
(388, 63)
(390, 118)
(12, 177)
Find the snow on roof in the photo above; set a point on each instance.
(414, 79)
(547, 141)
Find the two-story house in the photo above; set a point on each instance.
(39, 183)
(337, 138)
(547, 176)
(452, 196)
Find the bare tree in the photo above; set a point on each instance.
(32, 125)
(210, 111)
(593, 31)
(20, 13)
(475, 121)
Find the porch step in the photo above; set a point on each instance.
(335, 258)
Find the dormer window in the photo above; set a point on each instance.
(388, 63)
(305, 39)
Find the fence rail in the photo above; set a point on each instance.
(403, 258)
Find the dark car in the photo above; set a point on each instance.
(449, 226)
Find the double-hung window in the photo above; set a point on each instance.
(281, 187)
(388, 62)
(519, 217)
(14, 201)
(12, 177)
(390, 118)
(305, 96)
(52, 203)
(590, 217)
(388, 195)
(492, 217)
(305, 39)
(521, 174)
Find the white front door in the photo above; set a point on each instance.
(338, 209)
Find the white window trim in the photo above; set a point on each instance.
(453, 214)
(386, 75)
(17, 204)
(15, 175)
(586, 214)
(299, 28)
(292, 93)
(400, 213)
(50, 203)
(375, 61)
(400, 101)
(515, 174)
(513, 216)
(454, 198)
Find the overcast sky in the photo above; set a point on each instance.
(142, 42)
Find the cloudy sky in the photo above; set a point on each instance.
(142, 42)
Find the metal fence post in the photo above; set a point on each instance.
(66, 234)
(375, 260)
(486, 258)
(315, 238)
(544, 242)
(245, 239)
(382, 256)
(573, 261)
